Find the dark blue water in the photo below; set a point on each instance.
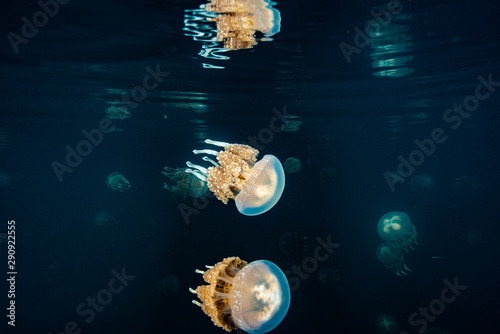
(363, 108)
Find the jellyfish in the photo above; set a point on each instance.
(396, 229)
(386, 324)
(169, 285)
(254, 297)
(255, 186)
(103, 219)
(328, 277)
(116, 181)
(185, 184)
(293, 165)
(421, 184)
(118, 112)
(392, 259)
(293, 244)
(237, 21)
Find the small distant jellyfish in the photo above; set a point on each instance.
(328, 277)
(167, 286)
(103, 219)
(293, 244)
(421, 184)
(118, 112)
(396, 229)
(475, 237)
(393, 259)
(293, 165)
(255, 186)
(5, 179)
(184, 184)
(386, 324)
(116, 181)
(254, 297)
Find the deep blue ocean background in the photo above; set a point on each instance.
(353, 120)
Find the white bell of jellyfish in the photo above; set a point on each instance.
(255, 186)
(392, 258)
(396, 229)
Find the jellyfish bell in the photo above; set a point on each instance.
(254, 297)
(396, 229)
(393, 259)
(255, 186)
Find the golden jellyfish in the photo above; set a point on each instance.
(116, 181)
(392, 258)
(238, 20)
(254, 297)
(255, 186)
(184, 184)
(396, 229)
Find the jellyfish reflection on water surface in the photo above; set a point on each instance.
(254, 297)
(255, 186)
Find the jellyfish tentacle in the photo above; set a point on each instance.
(203, 170)
(206, 151)
(217, 143)
(213, 162)
(196, 173)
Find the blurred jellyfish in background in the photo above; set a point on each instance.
(116, 181)
(293, 244)
(254, 297)
(396, 229)
(386, 324)
(392, 258)
(293, 165)
(103, 219)
(328, 277)
(5, 180)
(184, 184)
(168, 286)
(255, 186)
(118, 112)
(475, 237)
(421, 184)
(292, 123)
(465, 183)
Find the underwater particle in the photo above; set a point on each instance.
(184, 184)
(118, 112)
(421, 184)
(255, 186)
(293, 244)
(103, 219)
(392, 258)
(396, 229)
(254, 297)
(386, 324)
(116, 181)
(293, 165)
